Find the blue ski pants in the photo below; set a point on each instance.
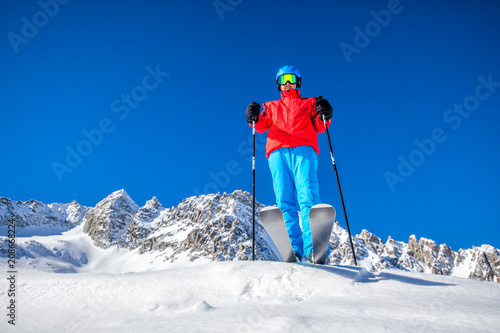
(296, 188)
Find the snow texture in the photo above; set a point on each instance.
(260, 296)
(126, 268)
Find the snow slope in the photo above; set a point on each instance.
(118, 267)
(260, 296)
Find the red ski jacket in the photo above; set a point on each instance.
(292, 121)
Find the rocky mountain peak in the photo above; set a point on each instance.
(214, 227)
(153, 203)
(39, 217)
(110, 218)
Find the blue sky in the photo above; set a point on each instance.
(150, 97)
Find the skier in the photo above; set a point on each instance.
(292, 147)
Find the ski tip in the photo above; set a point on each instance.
(268, 208)
(322, 205)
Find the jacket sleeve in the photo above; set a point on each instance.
(319, 125)
(265, 120)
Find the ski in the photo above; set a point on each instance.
(321, 218)
(274, 223)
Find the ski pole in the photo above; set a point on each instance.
(253, 192)
(340, 191)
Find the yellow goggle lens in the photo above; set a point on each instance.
(283, 79)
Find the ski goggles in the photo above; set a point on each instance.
(283, 79)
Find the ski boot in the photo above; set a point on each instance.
(312, 261)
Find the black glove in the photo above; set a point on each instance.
(324, 109)
(252, 112)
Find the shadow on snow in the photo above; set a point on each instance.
(362, 275)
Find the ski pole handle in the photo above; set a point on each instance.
(253, 190)
(253, 136)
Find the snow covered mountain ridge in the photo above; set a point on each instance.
(73, 238)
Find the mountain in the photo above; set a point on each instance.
(110, 219)
(214, 227)
(34, 217)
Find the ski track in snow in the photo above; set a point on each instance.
(259, 296)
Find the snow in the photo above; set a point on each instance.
(245, 296)
(67, 284)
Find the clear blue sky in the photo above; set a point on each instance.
(150, 96)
